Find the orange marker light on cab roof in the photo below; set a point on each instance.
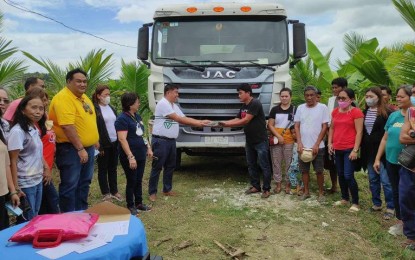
(191, 9)
(246, 9)
(218, 9)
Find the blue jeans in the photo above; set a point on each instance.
(345, 170)
(257, 157)
(165, 151)
(34, 198)
(50, 200)
(75, 177)
(407, 201)
(375, 180)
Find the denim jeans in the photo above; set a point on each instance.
(134, 188)
(393, 173)
(165, 151)
(107, 170)
(257, 157)
(50, 200)
(375, 181)
(34, 198)
(345, 171)
(407, 201)
(75, 177)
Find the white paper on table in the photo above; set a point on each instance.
(80, 246)
(56, 252)
(108, 230)
(89, 243)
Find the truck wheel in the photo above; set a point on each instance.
(178, 159)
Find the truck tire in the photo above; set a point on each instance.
(178, 159)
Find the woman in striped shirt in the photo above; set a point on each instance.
(376, 115)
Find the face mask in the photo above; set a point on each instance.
(413, 100)
(371, 102)
(106, 100)
(344, 104)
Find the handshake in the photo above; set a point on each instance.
(213, 123)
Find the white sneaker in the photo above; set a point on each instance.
(396, 230)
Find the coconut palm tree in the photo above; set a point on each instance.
(406, 60)
(133, 79)
(95, 64)
(11, 69)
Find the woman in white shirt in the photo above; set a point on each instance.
(108, 153)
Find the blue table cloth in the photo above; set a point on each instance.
(122, 247)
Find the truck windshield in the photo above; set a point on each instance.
(203, 42)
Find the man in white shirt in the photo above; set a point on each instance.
(168, 116)
(311, 124)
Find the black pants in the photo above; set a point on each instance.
(134, 187)
(393, 174)
(107, 170)
(4, 217)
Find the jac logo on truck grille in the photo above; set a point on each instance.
(218, 74)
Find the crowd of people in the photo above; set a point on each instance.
(338, 137)
(342, 138)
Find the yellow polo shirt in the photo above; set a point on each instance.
(68, 109)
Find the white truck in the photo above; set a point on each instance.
(210, 49)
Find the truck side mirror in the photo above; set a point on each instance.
(299, 41)
(143, 39)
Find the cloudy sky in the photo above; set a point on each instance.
(118, 20)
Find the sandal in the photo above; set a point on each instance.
(354, 208)
(409, 244)
(389, 214)
(340, 203)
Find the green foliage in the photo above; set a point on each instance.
(97, 66)
(133, 79)
(407, 10)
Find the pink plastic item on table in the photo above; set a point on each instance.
(51, 229)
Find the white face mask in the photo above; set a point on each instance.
(106, 100)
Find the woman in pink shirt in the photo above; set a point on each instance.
(345, 135)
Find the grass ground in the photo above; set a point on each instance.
(211, 206)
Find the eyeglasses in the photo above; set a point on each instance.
(5, 100)
(86, 106)
(341, 98)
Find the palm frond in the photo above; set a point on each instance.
(352, 42)
(11, 72)
(407, 10)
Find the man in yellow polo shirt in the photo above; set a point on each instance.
(74, 123)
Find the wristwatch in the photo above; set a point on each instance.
(355, 150)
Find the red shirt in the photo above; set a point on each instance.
(344, 131)
(49, 147)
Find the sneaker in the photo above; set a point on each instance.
(118, 197)
(252, 190)
(107, 197)
(143, 207)
(389, 214)
(152, 197)
(265, 194)
(396, 230)
(133, 211)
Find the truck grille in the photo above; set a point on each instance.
(210, 100)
